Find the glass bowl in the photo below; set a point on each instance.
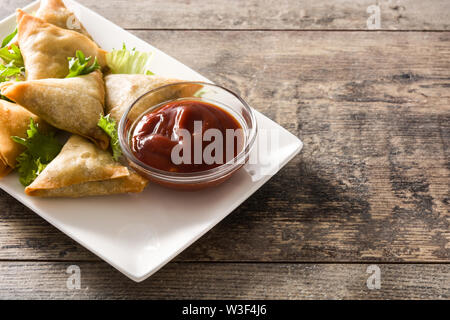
(201, 91)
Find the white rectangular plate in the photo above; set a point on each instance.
(138, 234)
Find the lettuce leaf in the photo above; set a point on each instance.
(8, 71)
(9, 38)
(40, 150)
(129, 61)
(79, 65)
(109, 126)
(28, 168)
(12, 55)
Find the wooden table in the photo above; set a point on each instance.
(371, 186)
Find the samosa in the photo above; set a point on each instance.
(14, 121)
(123, 89)
(81, 169)
(72, 104)
(56, 12)
(46, 48)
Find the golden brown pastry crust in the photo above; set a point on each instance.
(130, 184)
(81, 169)
(123, 89)
(56, 12)
(14, 121)
(4, 169)
(74, 104)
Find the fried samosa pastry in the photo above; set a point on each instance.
(81, 169)
(14, 121)
(72, 104)
(46, 47)
(123, 89)
(56, 12)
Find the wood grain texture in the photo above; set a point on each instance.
(372, 183)
(265, 14)
(32, 280)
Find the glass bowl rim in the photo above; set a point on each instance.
(201, 175)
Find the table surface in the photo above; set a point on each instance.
(371, 186)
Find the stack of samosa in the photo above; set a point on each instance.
(84, 167)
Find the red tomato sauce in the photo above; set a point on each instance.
(158, 132)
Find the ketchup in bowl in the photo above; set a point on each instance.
(186, 136)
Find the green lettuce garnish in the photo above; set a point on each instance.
(10, 54)
(7, 72)
(8, 38)
(12, 57)
(129, 61)
(79, 65)
(41, 150)
(109, 126)
(28, 168)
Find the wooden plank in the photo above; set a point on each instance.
(31, 280)
(265, 14)
(372, 182)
